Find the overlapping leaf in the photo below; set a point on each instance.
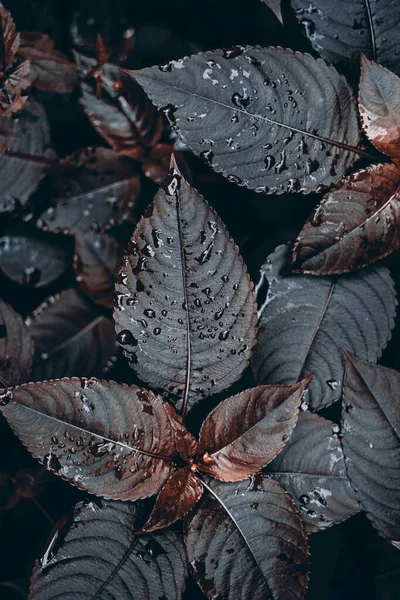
(311, 468)
(99, 555)
(270, 119)
(246, 540)
(16, 347)
(185, 313)
(245, 432)
(111, 439)
(71, 337)
(306, 320)
(371, 442)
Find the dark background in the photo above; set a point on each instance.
(348, 561)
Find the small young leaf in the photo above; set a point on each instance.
(111, 439)
(16, 348)
(247, 540)
(245, 432)
(270, 119)
(99, 556)
(94, 190)
(71, 337)
(371, 442)
(275, 6)
(305, 320)
(379, 107)
(97, 260)
(185, 312)
(355, 225)
(180, 493)
(311, 468)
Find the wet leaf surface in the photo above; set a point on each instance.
(16, 347)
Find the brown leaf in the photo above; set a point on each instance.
(179, 494)
(102, 55)
(16, 347)
(245, 432)
(379, 105)
(355, 225)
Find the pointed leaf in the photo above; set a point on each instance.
(275, 6)
(306, 320)
(247, 540)
(185, 313)
(379, 107)
(122, 114)
(179, 494)
(311, 468)
(371, 442)
(339, 30)
(99, 555)
(245, 432)
(16, 347)
(71, 337)
(96, 190)
(255, 116)
(111, 439)
(97, 260)
(355, 225)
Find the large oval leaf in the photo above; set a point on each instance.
(16, 347)
(247, 540)
(111, 439)
(245, 432)
(185, 313)
(71, 337)
(339, 30)
(306, 320)
(371, 442)
(270, 119)
(356, 224)
(311, 468)
(99, 556)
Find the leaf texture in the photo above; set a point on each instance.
(339, 30)
(71, 338)
(355, 225)
(245, 432)
(311, 468)
(99, 556)
(255, 116)
(111, 439)
(306, 320)
(185, 312)
(379, 107)
(371, 442)
(16, 347)
(96, 190)
(179, 494)
(246, 540)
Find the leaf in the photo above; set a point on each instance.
(338, 31)
(50, 69)
(306, 320)
(179, 494)
(99, 555)
(71, 337)
(122, 115)
(254, 115)
(311, 468)
(245, 432)
(29, 136)
(33, 259)
(16, 347)
(246, 540)
(275, 6)
(185, 312)
(355, 225)
(371, 442)
(97, 260)
(96, 190)
(379, 107)
(111, 439)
